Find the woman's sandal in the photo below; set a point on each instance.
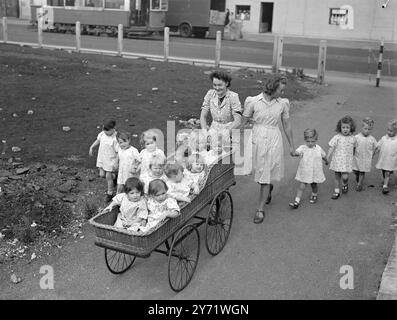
(294, 205)
(269, 196)
(335, 195)
(313, 199)
(259, 216)
(345, 188)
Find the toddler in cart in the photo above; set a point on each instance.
(156, 171)
(195, 169)
(133, 207)
(161, 206)
(149, 143)
(179, 187)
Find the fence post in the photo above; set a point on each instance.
(277, 53)
(120, 36)
(5, 32)
(322, 55)
(380, 62)
(40, 30)
(166, 43)
(78, 36)
(218, 49)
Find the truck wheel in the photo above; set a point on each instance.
(185, 30)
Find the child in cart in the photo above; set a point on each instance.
(195, 169)
(133, 207)
(161, 206)
(156, 171)
(179, 187)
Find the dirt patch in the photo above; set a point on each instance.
(47, 179)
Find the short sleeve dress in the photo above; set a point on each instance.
(158, 212)
(126, 159)
(310, 168)
(222, 113)
(267, 142)
(365, 147)
(387, 159)
(107, 152)
(130, 212)
(342, 157)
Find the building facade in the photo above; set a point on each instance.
(339, 19)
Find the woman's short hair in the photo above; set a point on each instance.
(133, 183)
(310, 133)
(155, 186)
(221, 75)
(171, 169)
(347, 120)
(272, 83)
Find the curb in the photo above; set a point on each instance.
(388, 285)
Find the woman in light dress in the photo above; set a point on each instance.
(268, 111)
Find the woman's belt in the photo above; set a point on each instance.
(266, 126)
(222, 121)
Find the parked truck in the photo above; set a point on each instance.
(194, 16)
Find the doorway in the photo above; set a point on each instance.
(9, 8)
(266, 21)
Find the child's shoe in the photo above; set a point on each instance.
(345, 188)
(294, 204)
(359, 188)
(385, 190)
(313, 198)
(335, 195)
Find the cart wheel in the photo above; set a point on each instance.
(219, 222)
(183, 257)
(118, 262)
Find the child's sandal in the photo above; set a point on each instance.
(294, 205)
(345, 188)
(335, 195)
(313, 198)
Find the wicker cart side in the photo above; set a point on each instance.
(220, 177)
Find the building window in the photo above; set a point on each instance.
(159, 5)
(94, 3)
(338, 16)
(114, 4)
(69, 3)
(243, 12)
(56, 3)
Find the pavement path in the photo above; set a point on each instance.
(294, 254)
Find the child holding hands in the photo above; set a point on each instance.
(310, 169)
(342, 148)
(107, 155)
(387, 160)
(365, 149)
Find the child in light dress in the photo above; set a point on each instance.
(182, 150)
(198, 142)
(179, 187)
(161, 206)
(310, 169)
(218, 149)
(387, 160)
(107, 155)
(365, 149)
(133, 207)
(128, 159)
(195, 169)
(342, 148)
(149, 143)
(156, 170)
